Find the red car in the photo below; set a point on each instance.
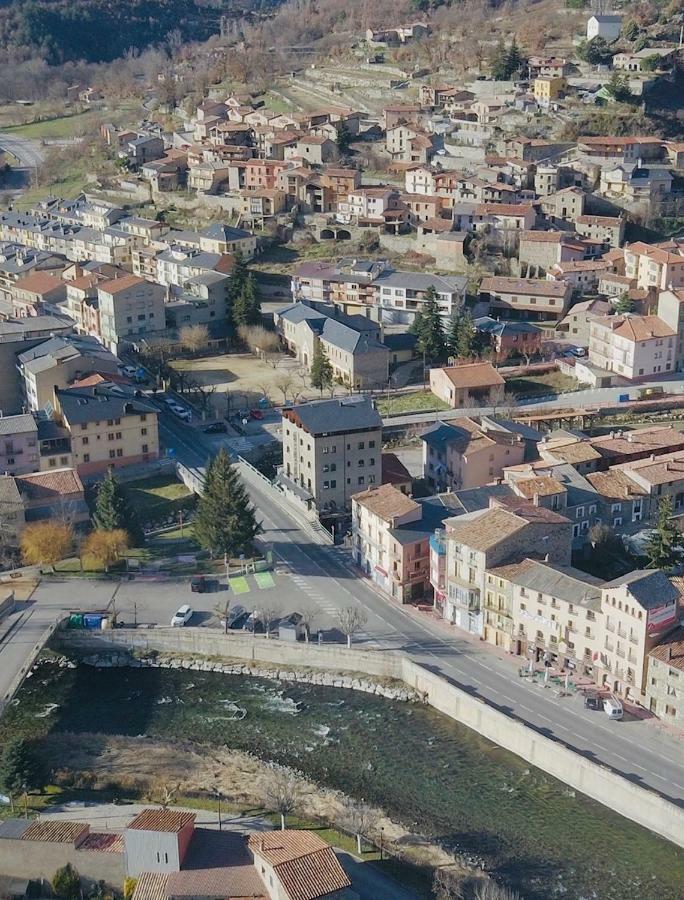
(256, 414)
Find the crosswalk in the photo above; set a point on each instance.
(308, 588)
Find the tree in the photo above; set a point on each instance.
(225, 522)
(19, 768)
(453, 332)
(112, 510)
(343, 137)
(490, 890)
(129, 887)
(46, 543)
(106, 547)
(466, 336)
(308, 614)
(595, 51)
(243, 295)
(282, 794)
(361, 819)
(427, 326)
(321, 368)
(66, 883)
(269, 614)
(618, 87)
(506, 61)
(601, 537)
(630, 30)
(194, 337)
(352, 619)
(448, 884)
(625, 304)
(665, 544)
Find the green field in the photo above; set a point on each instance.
(159, 497)
(62, 127)
(402, 404)
(539, 385)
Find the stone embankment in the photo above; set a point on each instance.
(350, 680)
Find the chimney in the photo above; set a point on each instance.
(669, 652)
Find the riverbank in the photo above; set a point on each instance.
(438, 778)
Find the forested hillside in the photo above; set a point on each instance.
(102, 30)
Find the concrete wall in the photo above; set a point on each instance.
(596, 781)
(40, 859)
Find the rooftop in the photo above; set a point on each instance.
(386, 502)
(169, 820)
(671, 650)
(468, 375)
(55, 831)
(651, 588)
(305, 865)
(335, 416)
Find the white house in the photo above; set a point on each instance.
(604, 26)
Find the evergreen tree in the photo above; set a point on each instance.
(453, 332)
(225, 522)
(113, 511)
(428, 328)
(321, 368)
(514, 59)
(246, 305)
(19, 768)
(625, 304)
(499, 65)
(618, 87)
(466, 336)
(343, 137)
(665, 544)
(66, 883)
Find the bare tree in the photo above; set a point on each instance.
(282, 794)
(285, 385)
(269, 615)
(308, 614)
(490, 890)
(359, 818)
(194, 337)
(448, 884)
(352, 619)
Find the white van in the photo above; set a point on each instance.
(612, 707)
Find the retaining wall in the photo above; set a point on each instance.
(596, 781)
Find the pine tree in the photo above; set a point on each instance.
(429, 328)
(665, 544)
(113, 511)
(321, 369)
(625, 304)
(19, 768)
(453, 332)
(499, 64)
(343, 137)
(466, 336)
(514, 58)
(225, 522)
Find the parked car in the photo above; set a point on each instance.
(237, 616)
(129, 371)
(182, 617)
(181, 412)
(253, 623)
(216, 428)
(170, 401)
(256, 414)
(612, 707)
(592, 700)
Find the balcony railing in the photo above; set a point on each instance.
(620, 653)
(465, 596)
(610, 627)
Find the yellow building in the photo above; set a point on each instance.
(546, 90)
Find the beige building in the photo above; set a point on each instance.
(608, 229)
(463, 455)
(632, 346)
(130, 309)
(469, 384)
(671, 311)
(332, 449)
(478, 542)
(659, 266)
(533, 299)
(665, 679)
(108, 428)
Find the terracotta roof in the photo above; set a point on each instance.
(544, 237)
(657, 253)
(659, 470)
(39, 283)
(671, 650)
(654, 439)
(535, 287)
(479, 374)
(637, 328)
(599, 220)
(502, 209)
(56, 831)
(573, 452)
(116, 285)
(615, 484)
(46, 485)
(171, 820)
(305, 865)
(151, 886)
(498, 523)
(103, 842)
(542, 485)
(386, 501)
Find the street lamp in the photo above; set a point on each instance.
(218, 797)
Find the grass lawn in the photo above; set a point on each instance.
(417, 401)
(157, 498)
(539, 385)
(62, 127)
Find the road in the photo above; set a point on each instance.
(30, 157)
(324, 576)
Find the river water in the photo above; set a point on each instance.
(434, 775)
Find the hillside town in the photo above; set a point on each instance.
(385, 359)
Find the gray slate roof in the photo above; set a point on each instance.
(93, 404)
(17, 424)
(651, 588)
(564, 583)
(338, 415)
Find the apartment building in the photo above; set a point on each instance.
(632, 346)
(130, 309)
(534, 299)
(541, 250)
(108, 427)
(391, 540)
(59, 361)
(665, 679)
(600, 453)
(352, 344)
(608, 229)
(635, 488)
(18, 444)
(467, 384)
(468, 455)
(671, 311)
(37, 294)
(332, 449)
(479, 541)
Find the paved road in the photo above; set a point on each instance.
(27, 151)
(323, 575)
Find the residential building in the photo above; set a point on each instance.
(332, 449)
(576, 324)
(59, 361)
(632, 346)
(665, 679)
(510, 338)
(297, 865)
(468, 454)
(533, 299)
(394, 472)
(57, 494)
(131, 309)
(636, 187)
(108, 427)
(548, 88)
(468, 384)
(477, 542)
(351, 343)
(597, 454)
(390, 540)
(604, 25)
(224, 239)
(18, 444)
(608, 229)
(671, 311)
(37, 294)
(660, 266)
(157, 840)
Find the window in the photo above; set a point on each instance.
(371, 461)
(85, 440)
(86, 457)
(361, 480)
(112, 454)
(371, 444)
(110, 436)
(119, 452)
(51, 462)
(143, 418)
(362, 446)
(145, 448)
(143, 431)
(118, 435)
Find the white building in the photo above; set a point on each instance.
(604, 26)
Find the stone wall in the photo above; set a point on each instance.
(596, 781)
(41, 859)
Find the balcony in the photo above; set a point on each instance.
(621, 632)
(464, 595)
(610, 627)
(620, 653)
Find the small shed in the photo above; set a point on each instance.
(292, 628)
